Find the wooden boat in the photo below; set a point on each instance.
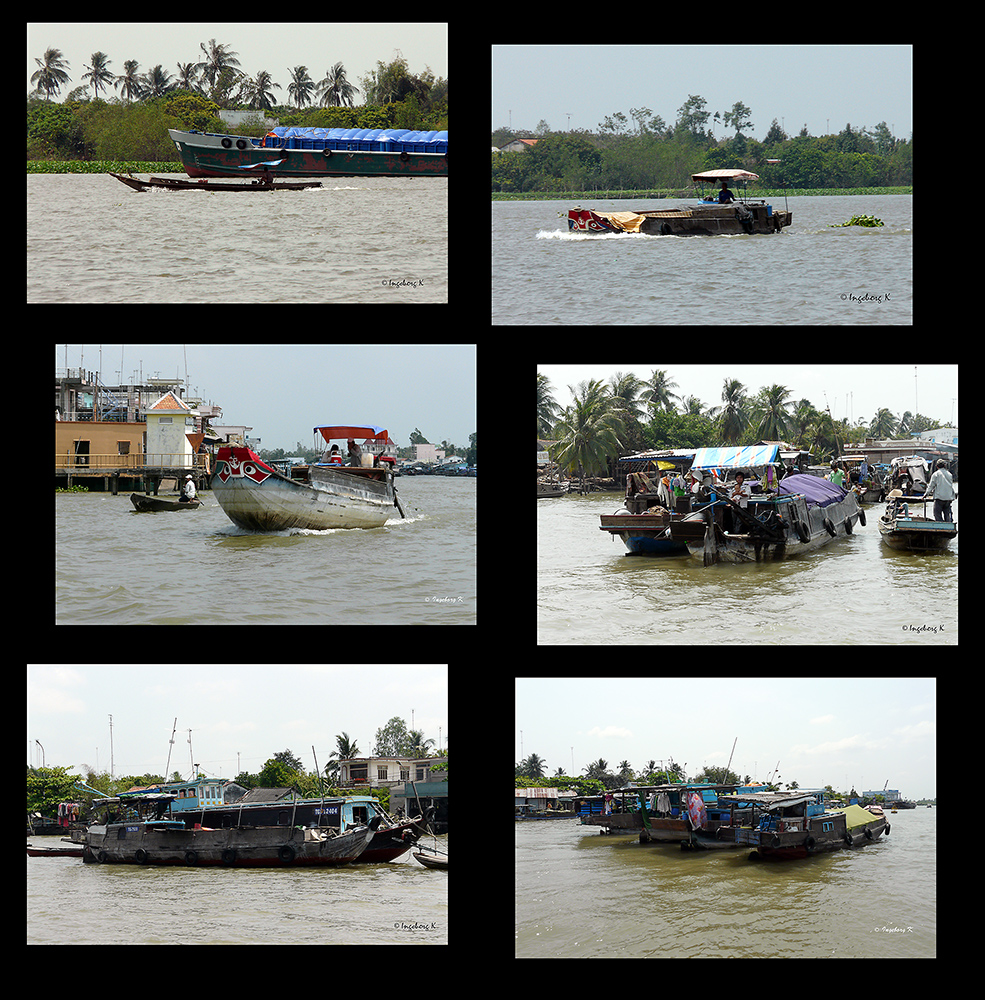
(913, 532)
(804, 514)
(644, 534)
(318, 496)
(797, 824)
(436, 860)
(176, 184)
(147, 505)
(63, 851)
(316, 152)
(706, 218)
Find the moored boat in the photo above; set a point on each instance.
(706, 218)
(264, 182)
(145, 504)
(317, 496)
(317, 152)
(797, 824)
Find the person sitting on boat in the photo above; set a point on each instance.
(896, 507)
(741, 492)
(187, 491)
(941, 488)
(725, 196)
(334, 456)
(355, 454)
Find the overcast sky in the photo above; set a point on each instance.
(841, 732)
(824, 87)
(240, 716)
(855, 391)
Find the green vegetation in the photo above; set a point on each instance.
(858, 220)
(650, 155)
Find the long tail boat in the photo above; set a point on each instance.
(317, 496)
(317, 152)
(175, 184)
(709, 217)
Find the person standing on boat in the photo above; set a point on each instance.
(741, 492)
(355, 454)
(725, 196)
(187, 491)
(941, 488)
(837, 474)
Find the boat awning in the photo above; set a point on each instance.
(735, 458)
(771, 800)
(361, 431)
(725, 175)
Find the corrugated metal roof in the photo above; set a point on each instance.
(536, 793)
(735, 458)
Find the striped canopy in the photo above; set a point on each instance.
(735, 458)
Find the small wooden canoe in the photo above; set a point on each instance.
(153, 504)
(432, 860)
(172, 184)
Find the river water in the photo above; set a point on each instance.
(853, 591)
(400, 902)
(356, 239)
(807, 274)
(582, 895)
(114, 566)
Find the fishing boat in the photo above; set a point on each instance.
(797, 824)
(709, 217)
(264, 182)
(321, 495)
(317, 152)
(803, 513)
(153, 840)
(913, 532)
(145, 505)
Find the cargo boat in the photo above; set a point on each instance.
(316, 152)
(709, 217)
(797, 824)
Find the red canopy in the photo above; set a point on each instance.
(346, 431)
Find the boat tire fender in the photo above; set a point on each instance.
(775, 842)
(861, 517)
(802, 533)
(809, 843)
(868, 834)
(829, 527)
(848, 840)
(191, 857)
(141, 857)
(886, 831)
(228, 856)
(848, 525)
(286, 853)
(227, 143)
(103, 857)
(241, 144)
(404, 158)
(328, 154)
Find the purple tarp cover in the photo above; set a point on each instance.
(820, 492)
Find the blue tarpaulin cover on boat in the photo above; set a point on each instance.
(734, 458)
(819, 492)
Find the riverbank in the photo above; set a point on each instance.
(676, 194)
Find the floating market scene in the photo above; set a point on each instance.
(263, 804)
(665, 817)
(766, 504)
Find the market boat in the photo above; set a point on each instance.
(644, 534)
(797, 824)
(708, 218)
(154, 504)
(913, 532)
(317, 152)
(264, 182)
(159, 841)
(686, 814)
(321, 495)
(803, 514)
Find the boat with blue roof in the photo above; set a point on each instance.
(316, 152)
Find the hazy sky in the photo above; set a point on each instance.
(274, 47)
(822, 731)
(824, 87)
(282, 391)
(852, 390)
(239, 716)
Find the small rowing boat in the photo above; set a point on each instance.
(173, 184)
(145, 505)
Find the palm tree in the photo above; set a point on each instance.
(51, 76)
